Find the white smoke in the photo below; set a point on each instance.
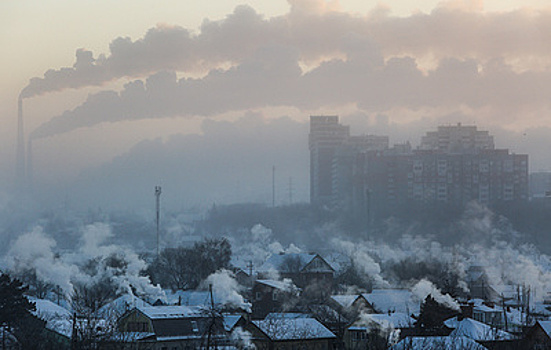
(257, 246)
(226, 289)
(362, 260)
(120, 265)
(424, 288)
(242, 339)
(35, 251)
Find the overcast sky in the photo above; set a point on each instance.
(111, 80)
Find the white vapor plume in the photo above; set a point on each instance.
(34, 251)
(249, 62)
(257, 246)
(362, 261)
(243, 339)
(121, 266)
(227, 290)
(424, 288)
(462, 32)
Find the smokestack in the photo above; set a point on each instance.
(20, 151)
(30, 164)
(158, 213)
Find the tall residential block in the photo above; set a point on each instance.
(326, 135)
(452, 166)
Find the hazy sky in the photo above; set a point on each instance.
(125, 71)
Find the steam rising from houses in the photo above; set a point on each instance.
(35, 252)
(244, 64)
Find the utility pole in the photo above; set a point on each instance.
(290, 190)
(158, 215)
(273, 186)
(368, 209)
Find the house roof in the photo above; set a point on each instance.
(179, 322)
(339, 262)
(478, 331)
(546, 326)
(58, 319)
(190, 298)
(121, 305)
(171, 312)
(293, 329)
(393, 300)
(230, 321)
(345, 301)
(289, 262)
(393, 320)
(438, 343)
(285, 285)
(286, 315)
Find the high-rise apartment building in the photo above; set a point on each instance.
(452, 166)
(457, 139)
(326, 135)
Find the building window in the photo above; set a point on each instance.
(194, 327)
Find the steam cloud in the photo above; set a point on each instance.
(424, 288)
(227, 290)
(373, 62)
(34, 251)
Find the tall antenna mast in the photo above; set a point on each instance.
(290, 190)
(273, 186)
(20, 147)
(158, 207)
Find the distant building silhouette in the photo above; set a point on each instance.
(326, 135)
(452, 166)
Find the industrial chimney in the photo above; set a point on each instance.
(29, 169)
(20, 150)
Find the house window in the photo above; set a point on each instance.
(194, 327)
(359, 335)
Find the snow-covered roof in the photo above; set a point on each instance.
(393, 300)
(546, 326)
(514, 316)
(286, 315)
(478, 331)
(294, 329)
(230, 320)
(170, 312)
(507, 291)
(345, 301)
(438, 343)
(190, 298)
(285, 285)
(121, 305)
(339, 262)
(542, 308)
(47, 308)
(58, 319)
(485, 308)
(393, 320)
(283, 262)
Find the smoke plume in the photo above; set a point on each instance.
(481, 63)
(227, 290)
